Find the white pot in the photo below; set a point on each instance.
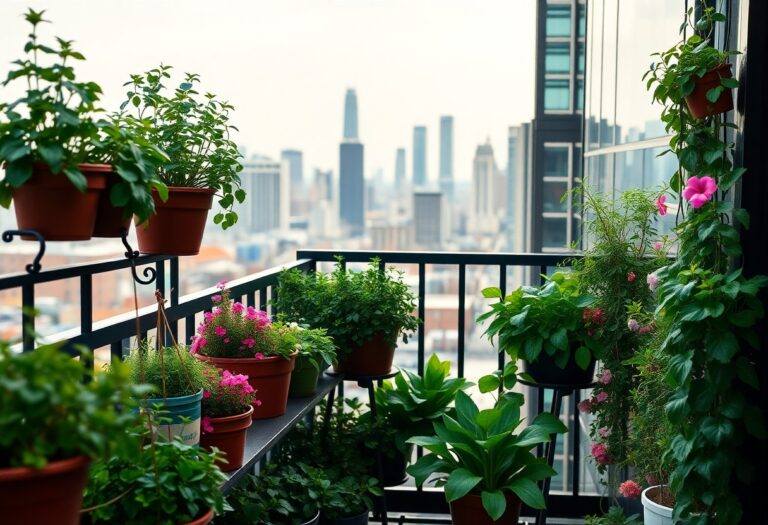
(653, 513)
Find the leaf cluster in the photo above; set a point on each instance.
(171, 371)
(478, 451)
(614, 516)
(317, 348)
(48, 412)
(353, 306)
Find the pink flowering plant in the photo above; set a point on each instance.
(233, 330)
(227, 394)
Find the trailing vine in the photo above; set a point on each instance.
(709, 306)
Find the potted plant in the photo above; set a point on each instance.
(365, 312)
(243, 340)
(409, 407)
(163, 482)
(180, 379)
(227, 411)
(58, 151)
(486, 469)
(694, 69)
(347, 500)
(194, 131)
(316, 353)
(552, 328)
(52, 424)
(279, 495)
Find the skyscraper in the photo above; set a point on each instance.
(350, 115)
(446, 157)
(267, 184)
(295, 161)
(430, 219)
(517, 212)
(483, 217)
(419, 156)
(351, 181)
(400, 167)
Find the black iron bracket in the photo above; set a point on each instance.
(35, 266)
(149, 273)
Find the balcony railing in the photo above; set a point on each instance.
(184, 312)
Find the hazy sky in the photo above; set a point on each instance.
(286, 64)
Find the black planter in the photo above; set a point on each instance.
(360, 519)
(394, 468)
(313, 521)
(546, 372)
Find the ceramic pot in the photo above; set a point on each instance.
(313, 521)
(176, 409)
(372, 358)
(51, 205)
(109, 219)
(52, 494)
(228, 435)
(178, 224)
(469, 511)
(270, 377)
(654, 513)
(697, 101)
(304, 378)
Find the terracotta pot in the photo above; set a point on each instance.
(229, 436)
(203, 520)
(51, 205)
(53, 494)
(372, 358)
(546, 372)
(697, 101)
(469, 511)
(178, 224)
(270, 377)
(109, 219)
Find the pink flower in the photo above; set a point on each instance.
(259, 355)
(222, 284)
(208, 316)
(600, 453)
(216, 311)
(633, 325)
(220, 331)
(249, 342)
(601, 397)
(206, 394)
(606, 377)
(658, 246)
(604, 432)
(630, 489)
(216, 298)
(631, 277)
(585, 406)
(661, 205)
(653, 281)
(226, 339)
(238, 308)
(257, 402)
(206, 422)
(699, 190)
(198, 342)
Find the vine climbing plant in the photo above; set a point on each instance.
(709, 305)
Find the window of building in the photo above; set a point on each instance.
(558, 20)
(553, 197)
(557, 57)
(556, 161)
(582, 21)
(557, 94)
(554, 233)
(580, 58)
(580, 94)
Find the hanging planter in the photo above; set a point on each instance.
(372, 358)
(51, 205)
(184, 413)
(52, 494)
(703, 101)
(469, 510)
(178, 224)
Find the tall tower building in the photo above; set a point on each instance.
(350, 115)
(419, 156)
(267, 184)
(400, 167)
(446, 157)
(518, 189)
(295, 160)
(483, 216)
(430, 219)
(351, 180)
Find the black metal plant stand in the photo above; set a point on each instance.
(560, 391)
(369, 383)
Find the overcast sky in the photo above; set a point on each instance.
(286, 64)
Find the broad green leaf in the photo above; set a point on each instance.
(550, 423)
(494, 503)
(488, 383)
(716, 429)
(528, 492)
(582, 357)
(460, 483)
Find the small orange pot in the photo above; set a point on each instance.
(697, 101)
(372, 358)
(109, 219)
(178, 224)
(228, 435)
(270, 377)
(205, 519)
(53, 494)
(469, 511)
(51, 205)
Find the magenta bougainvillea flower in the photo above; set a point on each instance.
(698, 191)
(600, 453)
(660, 205)
(631, 277)
(630, 489)
(601, 397)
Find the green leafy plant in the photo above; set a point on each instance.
(48, 413)
(165, 482)
(279, 495)
(352, 306)
(317, 347)
(555, 318)
(194, 130)
(57, 123)
(349, 496)
(614, 516)
(479, 452)
(172, 371)
(413, 403)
